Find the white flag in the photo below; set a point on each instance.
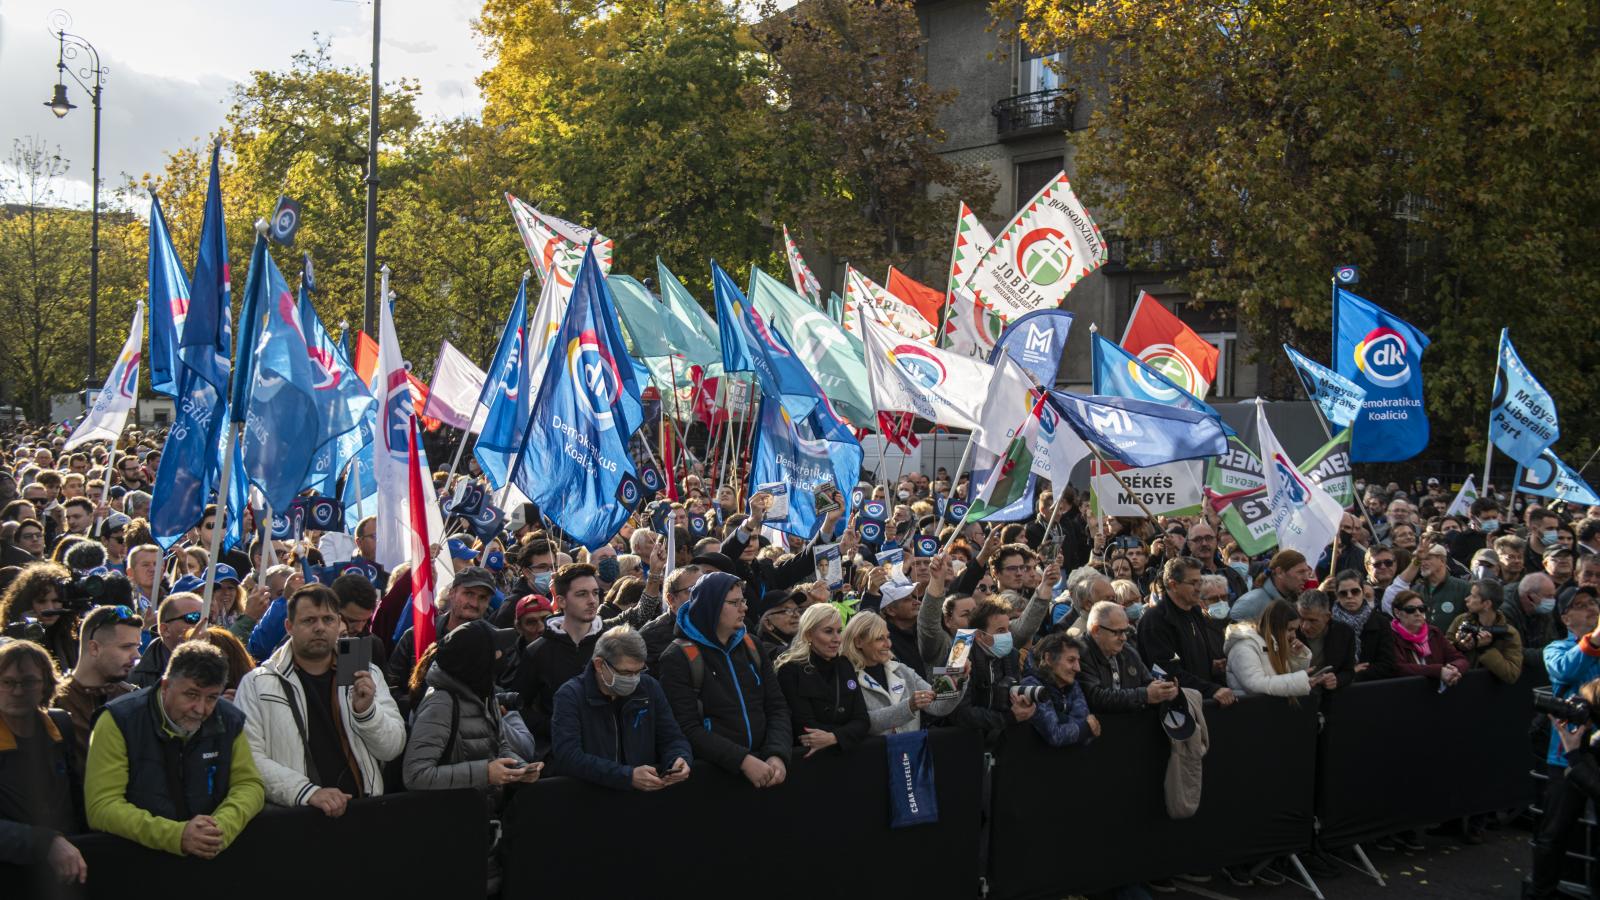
(542, 328)
(1007, 403)
(391, 446)
(1060, 448)
(969, 329)
(555, 246)
(120, 393)
(1304, 516)
(904, 375)
(453, 396)
(1462, 504)
(1047, 247)
(863, 295)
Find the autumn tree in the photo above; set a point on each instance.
(634, 117)
(1446, 148)
(854, 126)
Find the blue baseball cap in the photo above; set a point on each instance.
(460, 550)
(188, 583)
(226, 572)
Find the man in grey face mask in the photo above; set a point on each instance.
(611, 724)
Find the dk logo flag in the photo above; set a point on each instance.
(1382, 354)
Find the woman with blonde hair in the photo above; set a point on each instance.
(826, 708)
(1266, 657)
(895, 694)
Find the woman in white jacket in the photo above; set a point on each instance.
(1266, 657)
(896, 695)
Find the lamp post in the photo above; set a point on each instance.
(68, 47)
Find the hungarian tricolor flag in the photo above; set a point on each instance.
(1008, 479)
(897, 430)
(1163, 342)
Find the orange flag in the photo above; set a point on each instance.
(922, 298)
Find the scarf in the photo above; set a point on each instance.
(1356, 620)
(1418, 643)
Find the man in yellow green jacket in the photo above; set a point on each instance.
(169, 766)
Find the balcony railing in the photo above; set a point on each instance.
(1026, 114)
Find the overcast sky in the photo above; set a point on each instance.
(173, 64)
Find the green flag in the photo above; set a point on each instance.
(641, 318)
(688, 328)
(833, 356)
(1008, 479)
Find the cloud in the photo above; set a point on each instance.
(412, 47)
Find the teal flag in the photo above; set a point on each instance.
(641, 318)
(833, 356)
(689, 329)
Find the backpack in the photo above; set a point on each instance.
(697, 666)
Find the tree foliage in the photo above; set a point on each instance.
(855, 127)
(1446, 148)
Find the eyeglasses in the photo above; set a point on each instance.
(1119, 632)
(1410, 609)
(1351, 592)
(192, 618)
(741, 602)
(1383, 564)
(1012, 570)
(30, 684)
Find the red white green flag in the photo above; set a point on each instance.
(1049, 245)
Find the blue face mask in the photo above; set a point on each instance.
(1134, 611)
(1489, 526)
(1546, 605)
(610, 570)
(1002, 645)
(541, 583)
(1242, 568)
(1549, 537)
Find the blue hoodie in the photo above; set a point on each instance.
(739, 709)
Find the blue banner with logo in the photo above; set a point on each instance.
(574, 455)
(813, 452)
(505, 393)
(1138, 433)
(1338, 397)
(168, 302)
(912, 800)
(1382, 354)
(1550, 477)
(1035, 342)
(1118, 373)
(1522, 414)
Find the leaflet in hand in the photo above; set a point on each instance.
(779, 490)
(830, 566)
(894, 559)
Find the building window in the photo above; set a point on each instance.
(1225, 342)
(1032, 176)
(1037, 72)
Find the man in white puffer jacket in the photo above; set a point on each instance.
(317, 743)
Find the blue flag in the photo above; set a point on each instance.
(1035, 342)
(1550, 477)
(346, 410)
(506, 394)
(1338, 397)
(258, 306)
(361, 478)
(191, 458)
(1381, 354)
(574, 456)
(1118, 373)
(1139, 433)
(207, 336)
(750, 345)
(1522, 414)
(282, 419)
(168, 302)
(808, 454)
(238, 498)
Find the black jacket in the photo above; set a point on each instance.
(403, 658)
(546, 664)
(738, 710)
(1376, 648)
(1114, 683)
(763, 581)
(1338, 651)
(1178, 642)
(657, 634)
(986, 703)
(904, 644)
(823, 694)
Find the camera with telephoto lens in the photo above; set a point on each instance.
(1574, 709)
(1028, 692)
(84, 594)
(1470, 630)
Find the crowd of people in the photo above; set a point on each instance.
(134, 703)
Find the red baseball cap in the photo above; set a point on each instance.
(533, 603)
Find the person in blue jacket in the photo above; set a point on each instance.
(612, 726)
(1571, 663)
(1062, 718)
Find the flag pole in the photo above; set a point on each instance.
(220, 519)
(105, 492)
(966, 457)
(1488, 441)
(355, 472)
(460, 445)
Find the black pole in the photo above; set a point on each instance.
(371, 269)
(94, 237)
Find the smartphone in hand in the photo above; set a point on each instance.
(353, 654)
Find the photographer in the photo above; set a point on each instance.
(108, 646)
(1062, 717)
(988, 704)
(1485, 636)
(32, 609)
(1572, 662)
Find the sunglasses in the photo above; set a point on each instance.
(191, 618)
(1351, 592)
(1410, 609)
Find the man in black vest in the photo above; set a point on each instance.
(169, 766)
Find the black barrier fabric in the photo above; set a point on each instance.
(716, 836)
(1085, 819)
(284, 854)
(1464, 751)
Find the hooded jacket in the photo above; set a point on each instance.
(273, 701)
(553, 660)
(739, 710)
(1250, 668)
(460, 690)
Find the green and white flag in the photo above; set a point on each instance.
(833, 357)
(1047, 247)
(863, 296)
(688, 328)
(1008, 474)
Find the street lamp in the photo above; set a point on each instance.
(68, 47)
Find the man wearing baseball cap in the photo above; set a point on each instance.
(467, 601)
(1444, 594)
(531, 612)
